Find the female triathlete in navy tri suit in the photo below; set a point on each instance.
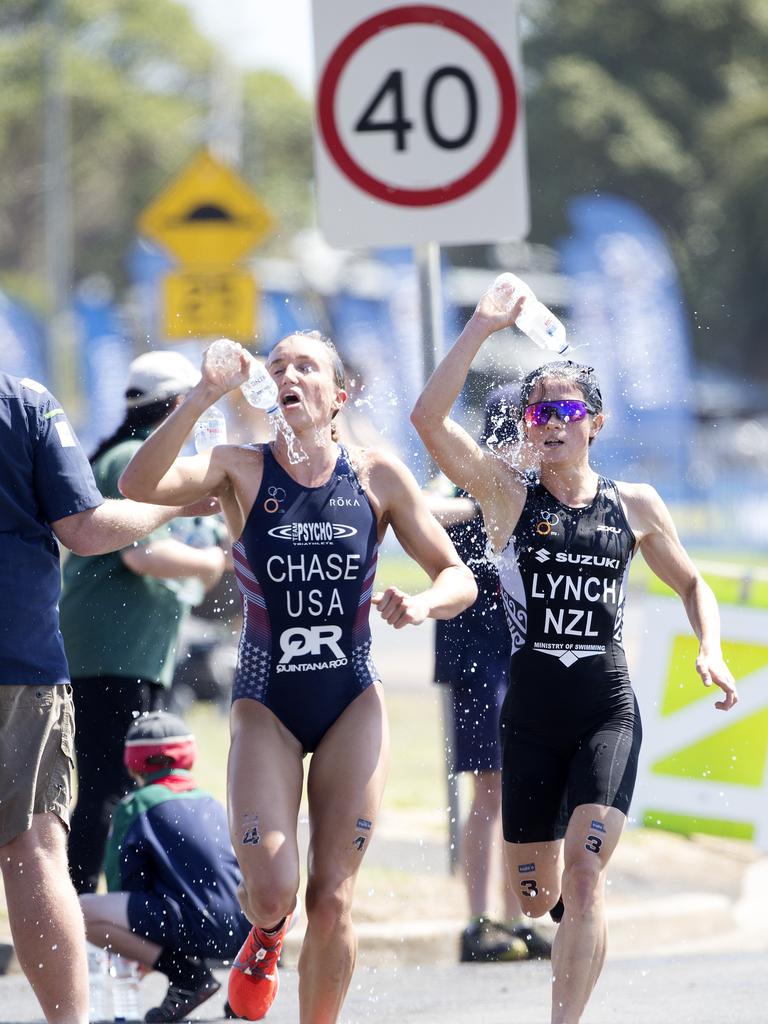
(305, 557)
(570, 726)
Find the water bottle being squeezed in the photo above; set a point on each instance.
(260, 391)
(539, 323)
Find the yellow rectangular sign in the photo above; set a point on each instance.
(209, 304)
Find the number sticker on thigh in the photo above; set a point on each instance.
(594, 843)
(529, 886)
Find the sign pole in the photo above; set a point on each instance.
(427, 259)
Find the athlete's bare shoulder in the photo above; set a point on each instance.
(381, 473)
(644, 508)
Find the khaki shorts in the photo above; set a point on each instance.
(37, 733)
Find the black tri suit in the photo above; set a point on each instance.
(570, 723)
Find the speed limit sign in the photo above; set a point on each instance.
(420, 122)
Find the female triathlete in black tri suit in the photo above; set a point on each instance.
(570, 725)
(305, 557)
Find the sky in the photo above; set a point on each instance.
(261, 34)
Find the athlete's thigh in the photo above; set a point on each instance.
(264, 782)
(534, 871)
(534, 778)
(604, 767)
(345, 784)
(592, 835)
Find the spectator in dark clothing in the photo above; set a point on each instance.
(171, 871)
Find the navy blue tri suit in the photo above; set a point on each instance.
(305, 565)
(571, 727)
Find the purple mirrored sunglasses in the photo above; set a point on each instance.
(567, 410)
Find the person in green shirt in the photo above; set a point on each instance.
(120, 618)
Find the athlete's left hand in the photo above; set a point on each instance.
(713, 670)
(399, 609)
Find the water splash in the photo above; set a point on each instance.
(279, 424)
(320, 437)
(521, 456)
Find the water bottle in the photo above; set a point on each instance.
(260, 390)
(535, 320)
(125, 989)
(99, 984)
(224, 355)
(210, 430)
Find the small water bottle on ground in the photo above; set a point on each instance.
(99, 984)
(125, 989)
(210, 430)
(539, 323)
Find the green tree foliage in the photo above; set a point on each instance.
(136, 74)
(663, 102)
(277, 152)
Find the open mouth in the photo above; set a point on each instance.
(553, 443)
(290, 400)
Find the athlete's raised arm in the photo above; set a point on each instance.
(457, 454)
(398, 500)
(668, 559)
(156, 473)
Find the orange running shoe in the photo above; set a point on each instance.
(253, 979)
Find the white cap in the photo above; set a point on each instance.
(154, 376)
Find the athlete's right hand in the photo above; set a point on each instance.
(488, 315)
(400, 609)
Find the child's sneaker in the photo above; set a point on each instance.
(180, 1002)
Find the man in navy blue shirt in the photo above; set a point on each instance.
(47, 492)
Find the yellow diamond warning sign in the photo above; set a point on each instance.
(207, 216)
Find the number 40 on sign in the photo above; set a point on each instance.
(420, 123)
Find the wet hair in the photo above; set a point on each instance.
(564, 370)
(136, 420)
(339, 373)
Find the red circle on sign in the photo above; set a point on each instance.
(417, 14)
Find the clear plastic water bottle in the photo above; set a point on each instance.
(210, 430)
(539, 323)
(99, 984)
(260, 390)
(224, 354)
(125, 989)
